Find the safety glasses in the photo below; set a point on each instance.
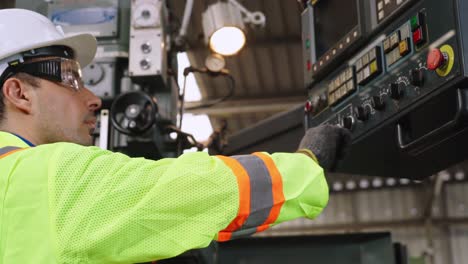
(64, 71)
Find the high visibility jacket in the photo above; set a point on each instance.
(65, 203)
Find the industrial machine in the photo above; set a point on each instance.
(130, 73)
(350, 248)
(366, 79)
(393, 72)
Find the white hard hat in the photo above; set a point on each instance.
(23, 30)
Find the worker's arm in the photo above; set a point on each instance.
(106, 207)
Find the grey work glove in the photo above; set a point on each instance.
(328, 143)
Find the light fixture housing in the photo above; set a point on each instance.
(224, 28)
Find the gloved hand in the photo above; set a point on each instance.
(328, 143)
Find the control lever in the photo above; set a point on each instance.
(217, 141)
(185, 140)
(438, 133)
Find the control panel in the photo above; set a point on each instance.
(148, 47)
(405, 64)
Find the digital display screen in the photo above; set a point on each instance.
(333, 19)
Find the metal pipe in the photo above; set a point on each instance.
(186, 18)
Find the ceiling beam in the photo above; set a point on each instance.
(245, 106)
(7, 4)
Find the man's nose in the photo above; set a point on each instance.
(94, 103)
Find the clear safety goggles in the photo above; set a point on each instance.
(67, 72)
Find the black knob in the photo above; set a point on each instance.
(362, 112)
(396, 91)
(378, 102)
(417, 77)
(348, 122)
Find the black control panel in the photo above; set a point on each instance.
(402, 91)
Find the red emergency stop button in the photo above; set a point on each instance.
(308, 107)
(436, 59)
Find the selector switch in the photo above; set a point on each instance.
(348, 122)
(396, 91)
(362, 112)
(417, 77)
(378, 102)
(316, 104)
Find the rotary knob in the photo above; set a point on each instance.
(348, 122)
(362, 112)
(378, 102)
(396, 91)
(417, 77)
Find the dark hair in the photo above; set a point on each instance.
(29, 79)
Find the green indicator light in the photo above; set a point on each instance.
(414, 22)
(307, 43)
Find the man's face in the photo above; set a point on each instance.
(63, 114)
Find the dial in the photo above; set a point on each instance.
(396, 90)
(378, 102)
(362, 112)
(348, 122)
(146, 15)
(215, 62)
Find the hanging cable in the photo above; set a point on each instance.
(231, 88)
(202, 104)
(182, 99)
(207, 103)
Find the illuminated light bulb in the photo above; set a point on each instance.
(227, 41)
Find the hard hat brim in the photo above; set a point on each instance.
(83, 45)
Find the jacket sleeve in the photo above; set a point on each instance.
(106, 207)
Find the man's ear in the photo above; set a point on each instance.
(18, 94)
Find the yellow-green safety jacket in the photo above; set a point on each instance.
(65, 203)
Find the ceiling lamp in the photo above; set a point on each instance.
(224, 26)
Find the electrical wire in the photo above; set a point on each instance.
(202, 104)
(182, 100)
(207, 103)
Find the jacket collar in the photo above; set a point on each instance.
(9, 139)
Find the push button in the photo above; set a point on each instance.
(418, 37)
(416, 21)
(436, 59)
(307, 43)
(308, 107)
(404, 47)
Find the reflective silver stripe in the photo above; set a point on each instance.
(243, 233)
(5, 150)
(261, 193)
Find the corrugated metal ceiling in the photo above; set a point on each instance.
(268, 71)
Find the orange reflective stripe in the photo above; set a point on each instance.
(9, 153)
(243, 183)
(277, 186)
